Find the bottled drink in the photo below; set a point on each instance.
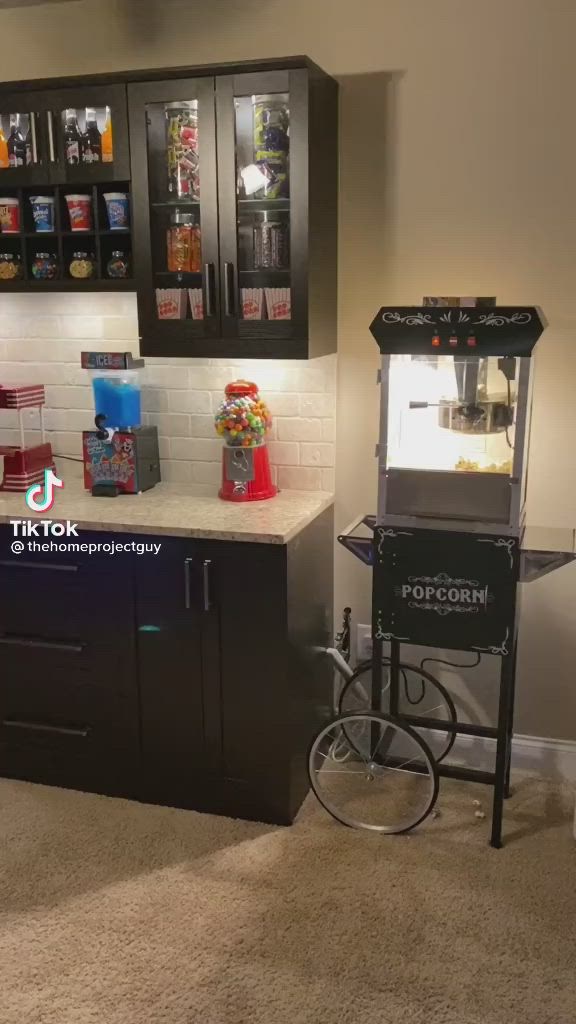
(72, 138)
(107, 147)
(16, 143)
(4, 158)
(29, 146)
(91, 139)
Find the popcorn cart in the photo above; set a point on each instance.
(448, 548)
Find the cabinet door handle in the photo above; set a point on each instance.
(209, 288)
(206, 584)
(13, 563)
(229, 302)
(51, 147)
(52, 645)
(33, 140)
(62, 730)
(187, 597)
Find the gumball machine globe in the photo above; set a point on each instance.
(243, 421)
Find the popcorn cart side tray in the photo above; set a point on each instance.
(361, 547)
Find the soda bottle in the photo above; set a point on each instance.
(91, 139)
(16, 143)
(72, 138)
(4, 158)
(107, 147)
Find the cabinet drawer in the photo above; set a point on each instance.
(77, 723)
(64, 598)
(45, 664)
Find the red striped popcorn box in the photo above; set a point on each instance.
(171, 303)
(22, 396)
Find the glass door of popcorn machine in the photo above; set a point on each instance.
(173, 147)
(263, 202)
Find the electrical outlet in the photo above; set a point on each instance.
(363, 642)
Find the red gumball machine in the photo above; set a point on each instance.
(243, 420)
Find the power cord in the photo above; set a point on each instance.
(69, 458)
(452, 664)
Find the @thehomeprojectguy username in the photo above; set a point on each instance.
(27, 530)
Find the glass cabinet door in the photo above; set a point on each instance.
(262, 161)
(174, 189)
(23, 157)
(87, 134)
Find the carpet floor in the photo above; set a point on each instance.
(119, 913)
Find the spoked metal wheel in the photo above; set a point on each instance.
(420, 695)
(371, 772)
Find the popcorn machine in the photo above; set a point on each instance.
(449, 543)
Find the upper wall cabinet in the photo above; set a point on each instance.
(212, 192)
(64, 136)
(235, 229)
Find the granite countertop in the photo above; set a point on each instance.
(176, 510)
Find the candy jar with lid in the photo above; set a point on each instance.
(44, 266)
(243, 421)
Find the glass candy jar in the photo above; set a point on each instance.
(44, 266)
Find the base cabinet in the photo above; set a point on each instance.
(191, 678)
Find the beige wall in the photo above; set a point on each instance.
(458, 176)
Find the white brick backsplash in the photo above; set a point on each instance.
(328, 480)
(316, 405)
(207, 472)
(82, 326)
(328, 430)
(169, 424)
(284, 453)
(189, 401)
(316, 454)
(177, 472)
(68, 398)
(120, 327)
(282, 405)
(299, 478)
(42, 336)
(299, 430)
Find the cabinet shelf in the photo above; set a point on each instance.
(263, 204)
(176, 202)
(68, 284)
(178, 275)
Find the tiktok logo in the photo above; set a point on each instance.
(40, 497)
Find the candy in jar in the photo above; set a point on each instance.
(82, 265)
(182, 149)
(44, 266)
(243, 419)
(118, 265)
(10, 266)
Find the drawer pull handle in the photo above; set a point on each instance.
(187, 599)
(12, 563)
(206, 584)
(56, 645)
(62, 730)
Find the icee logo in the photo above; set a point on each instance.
(40, 497)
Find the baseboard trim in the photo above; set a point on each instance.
(536, 755)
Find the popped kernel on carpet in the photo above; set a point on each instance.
(114, 912)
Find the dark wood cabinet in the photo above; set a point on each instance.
(233, 178)
(194, 678)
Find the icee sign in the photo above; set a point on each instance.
(442, 591)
